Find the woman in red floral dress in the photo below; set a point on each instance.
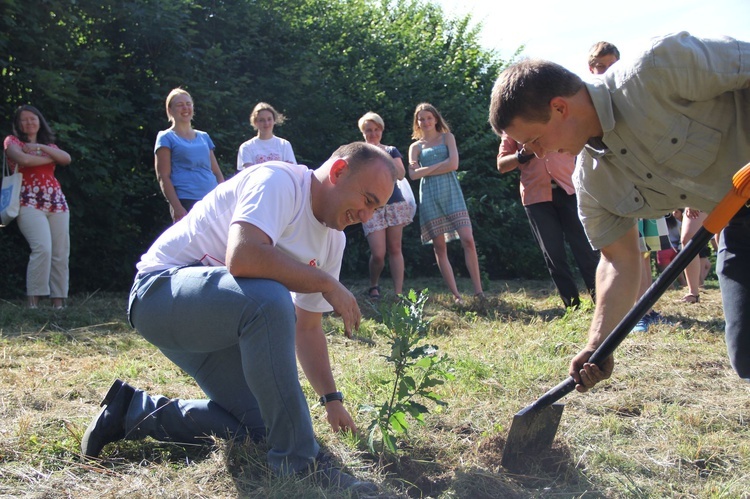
(44, 217)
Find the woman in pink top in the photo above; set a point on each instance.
(44, 217)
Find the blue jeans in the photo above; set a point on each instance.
(733, 268)
(236, 337)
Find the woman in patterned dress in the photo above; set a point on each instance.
(44, 218)
(443, 216)
(383, 231)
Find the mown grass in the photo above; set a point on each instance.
(673, 421)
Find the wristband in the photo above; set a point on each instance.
(524, 158)
(331, 397)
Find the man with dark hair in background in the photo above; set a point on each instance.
(601, 56)
(549, 199)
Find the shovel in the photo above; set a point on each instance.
(534, 428)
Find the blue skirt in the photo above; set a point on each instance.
(442, 209)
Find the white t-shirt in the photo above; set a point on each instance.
(256, 151)
(275, 197)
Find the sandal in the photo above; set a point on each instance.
(374, 295)
(691, 298)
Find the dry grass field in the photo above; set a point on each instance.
(672, 422)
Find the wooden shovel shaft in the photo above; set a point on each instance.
(715, 222)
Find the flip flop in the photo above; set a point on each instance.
(372, 295)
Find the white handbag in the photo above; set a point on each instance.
(408, 194)
(10, 195)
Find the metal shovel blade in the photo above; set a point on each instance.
(531, 433)
(534, 428)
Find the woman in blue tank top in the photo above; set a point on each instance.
(443, 216)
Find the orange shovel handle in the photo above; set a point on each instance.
(732, 202)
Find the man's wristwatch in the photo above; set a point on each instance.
(331, 397)
(524, 158)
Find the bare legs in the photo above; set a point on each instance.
(446, 270)
(690, 226)
(376, 240)
(395, 256)
(646, 278)
(382, 241)
(470, 257)
(705, 268)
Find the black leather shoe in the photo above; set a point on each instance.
(109, 425)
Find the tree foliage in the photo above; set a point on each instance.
(100, 71)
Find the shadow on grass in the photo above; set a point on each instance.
(254, 479)
(713, 325)
(415, 472)
(446, 315)
(105, 315)
(143, 452)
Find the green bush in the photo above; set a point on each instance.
(100, 70)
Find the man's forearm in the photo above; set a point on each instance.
(617, 283)
(251, 254)
(506, 162)
(268, 262)
(312, 353)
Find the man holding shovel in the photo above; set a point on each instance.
(665, 131)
